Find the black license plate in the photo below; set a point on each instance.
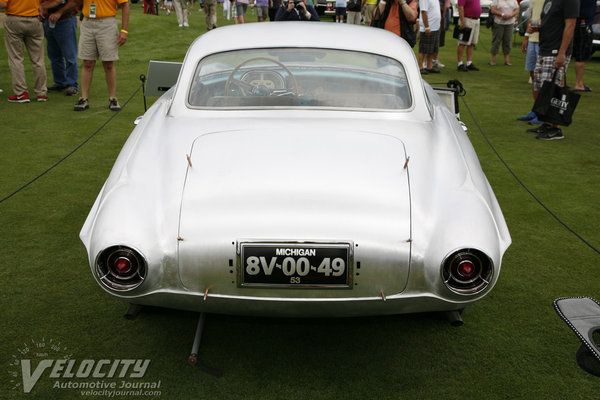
(296, 265)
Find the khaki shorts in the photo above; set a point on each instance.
(474, 25)
(262, 12)
(98, 39)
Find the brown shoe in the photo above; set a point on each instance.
(113, 104)
(70, 91)
(82, 104)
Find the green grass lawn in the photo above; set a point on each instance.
(512, 346)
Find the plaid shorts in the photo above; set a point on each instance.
(429, 44)
(544, 70)
(582, 43)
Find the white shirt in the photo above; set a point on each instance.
(434, 16)
(505, 7)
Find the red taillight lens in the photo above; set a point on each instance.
(122, 266)
(466, 269)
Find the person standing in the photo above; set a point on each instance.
(100, 38)
(262, 10)
(582, 42)
(299, 11)
(368, 8)
(444, 5)
(181, 13)
(504, 12)
(60, 29)
(469, 12)
(531, 48)
(556, 42)
(340, 11)
(241, 6)
(429, 29)
(210, 10)
(397, 16)
(354, 12)
(22, 27)
(273, 7)
(149, 7)
(234, 15)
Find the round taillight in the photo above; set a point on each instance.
(467, 271)
(121, 268)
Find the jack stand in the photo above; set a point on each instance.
(133, 311)
(193, 359)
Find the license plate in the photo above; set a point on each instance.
(295, 264)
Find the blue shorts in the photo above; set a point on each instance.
(340, 11)
(533, 51)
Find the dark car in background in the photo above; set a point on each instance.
(325, 7)
(524, 14)
(596, 28)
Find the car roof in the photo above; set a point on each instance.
(300, 34)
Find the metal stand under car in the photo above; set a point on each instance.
(135, 309)
(193, 359)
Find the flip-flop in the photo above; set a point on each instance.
(585, 89)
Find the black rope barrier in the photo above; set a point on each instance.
(540, 202)
(57, 163)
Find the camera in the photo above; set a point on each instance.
(297, 5)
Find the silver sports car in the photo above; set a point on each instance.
(287, 176)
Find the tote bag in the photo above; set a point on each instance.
(555, 104)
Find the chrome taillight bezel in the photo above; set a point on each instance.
(474, 283)
(111, 278)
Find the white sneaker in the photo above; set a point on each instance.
(180, 25)
(185, 24)
(438, 64)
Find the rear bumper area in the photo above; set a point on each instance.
(278, 307)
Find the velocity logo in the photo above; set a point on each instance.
(42, 359)
(67, 369)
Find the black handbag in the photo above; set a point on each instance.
(378, 20)
(555, 104)
(407, 28)
(461, 34)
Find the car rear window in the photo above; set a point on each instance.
(299, 77)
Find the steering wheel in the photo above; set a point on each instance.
(261, 90)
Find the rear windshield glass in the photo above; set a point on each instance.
(292, 77)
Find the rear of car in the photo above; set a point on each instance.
(304, 180)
